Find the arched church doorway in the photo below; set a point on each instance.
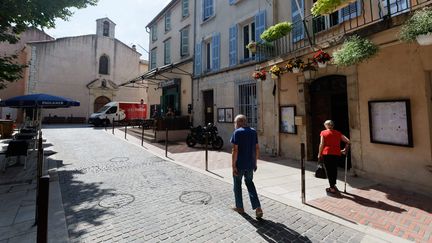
(100, 102)
(329, 101)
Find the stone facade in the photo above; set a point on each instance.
(85, 68)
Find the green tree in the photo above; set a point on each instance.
(18, 15)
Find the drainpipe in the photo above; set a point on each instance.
(193, 62)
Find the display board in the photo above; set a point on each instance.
(225, 115)
(287, 119)
(390, 122)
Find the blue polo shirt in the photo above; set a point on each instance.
(246, 138)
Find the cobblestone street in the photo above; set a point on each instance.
(114, 191)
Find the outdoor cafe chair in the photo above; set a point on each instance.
(16, 148)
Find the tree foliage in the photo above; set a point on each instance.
(18, 15)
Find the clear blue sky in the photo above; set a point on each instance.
(130, 16)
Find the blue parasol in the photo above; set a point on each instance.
(38, 101)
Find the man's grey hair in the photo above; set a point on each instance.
(241, 120)
(329, 123)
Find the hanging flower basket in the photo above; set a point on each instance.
(418, 27)
(275, 72)
(259, 75)
(354, 50)
(295, 66)
(321, 58)
(309, 70)
(326, 7)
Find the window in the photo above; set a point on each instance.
(324, 22)
(153, 58)
(248, 36)
(247, 103)
(396, 6)
(167, 51)
(208, 9)
(168, 21)
(233, 45)
(298, 27)
(208, 56)
(154, 33)
(106, 26)
(212, 53)
(103, 65)
(185, 8)
(184, 42)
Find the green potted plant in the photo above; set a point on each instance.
(325, 7)
(252, 46)
(354, 50)
(418, 27)
(276, 31)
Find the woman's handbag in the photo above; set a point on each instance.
(321, 172)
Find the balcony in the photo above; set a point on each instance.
(364, 18)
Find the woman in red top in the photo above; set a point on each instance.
(330, 152)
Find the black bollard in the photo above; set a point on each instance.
(303, 184)
(142, 135)
(42, 209)
(125, 130)
(166, 143)
(206, 151)
(113, 126)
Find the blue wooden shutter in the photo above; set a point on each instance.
(198, 67)
(260, 24)
(298, 27)
(216, 52)
(231, 2)
(207, 9)
(233, 45)
(349, 12)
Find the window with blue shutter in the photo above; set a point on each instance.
(208, 9)
(153, 59)
(184, 42)
(154, 33)
(260, 24)
(351, 11)
(396, 6)
(216, 52)
(198, 59)
(167, 51)
(233, 45)
(167, 21)
(231, 2)
(298, 27)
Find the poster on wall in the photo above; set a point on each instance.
(287, 119)
(221, 115)
(390, 122)
(225, 115)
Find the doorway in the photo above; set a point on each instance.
(100, 102)
(329, 101)
(208, 107)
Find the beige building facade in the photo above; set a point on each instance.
(367, 101)
(19, 87)
(87, 68)
(169, 79)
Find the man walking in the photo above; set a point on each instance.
(245, 154)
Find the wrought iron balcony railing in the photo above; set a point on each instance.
(322, 31)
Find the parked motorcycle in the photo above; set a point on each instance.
(198, 135)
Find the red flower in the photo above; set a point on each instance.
(259, 75)
(321, 56)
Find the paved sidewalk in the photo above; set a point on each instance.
(376, 209)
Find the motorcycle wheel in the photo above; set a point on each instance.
(190, 141)
(217, 143)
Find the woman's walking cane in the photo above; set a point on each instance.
(346, 165)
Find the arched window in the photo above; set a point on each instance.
(103, 65)
(105, 28)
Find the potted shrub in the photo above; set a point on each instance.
(276, 31)
(252, 46)
(295, 66)
(418, 27)
(325, 7)
(261, 75)
(275, 71)
(354, 50)
(321, 58)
